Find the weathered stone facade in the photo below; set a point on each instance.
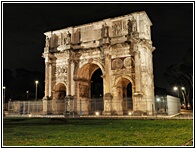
(121, 47)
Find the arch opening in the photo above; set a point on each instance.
(125, 92)
(128, 100)
(90, 88)
(60, 91)
(96, 101)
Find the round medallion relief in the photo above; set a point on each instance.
(128, 62)
(117, 63)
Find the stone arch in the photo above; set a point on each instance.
(84, 85)
(59, 91)
(122, 104)
(85, 65)
(125, 77)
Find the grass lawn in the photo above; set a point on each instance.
(97, 132)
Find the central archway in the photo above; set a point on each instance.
(90, 89)
(96, 101)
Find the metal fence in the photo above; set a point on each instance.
(25, 107)
(79, 106)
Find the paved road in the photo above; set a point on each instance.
(184, 111)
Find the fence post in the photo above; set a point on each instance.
(73, 106)
(28, 107)
(23, 112)
(152, 110)
(80, 107)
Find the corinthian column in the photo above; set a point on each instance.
(47, 77)
(46, 101)
(137, 72)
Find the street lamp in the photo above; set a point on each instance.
(27, 94)
(36, 83)
(176, 89)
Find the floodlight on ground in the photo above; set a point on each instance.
(129, 113)
(97, 113)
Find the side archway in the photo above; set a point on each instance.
(123, 95)
(58, 102)
(59, 91)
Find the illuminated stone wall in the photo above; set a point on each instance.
(121, 47)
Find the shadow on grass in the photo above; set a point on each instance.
(52, 121)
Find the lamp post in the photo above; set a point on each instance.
(27, 94)
(36, 83)
(4, 96)
(183, 90)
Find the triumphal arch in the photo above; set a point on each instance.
(121, 48)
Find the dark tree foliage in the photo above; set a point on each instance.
(181, 74)
(23, 81)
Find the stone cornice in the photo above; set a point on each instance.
(144, 42)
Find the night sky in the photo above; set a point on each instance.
(24, 25)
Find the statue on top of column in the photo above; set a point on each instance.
(68, 40)
(47, 41)
(104, 31)
(132, 26)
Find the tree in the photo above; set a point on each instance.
(181, 74)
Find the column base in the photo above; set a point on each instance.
(107, 113)
(47, 106)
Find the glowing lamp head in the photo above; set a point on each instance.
(175, 88)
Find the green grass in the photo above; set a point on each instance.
(97, 132)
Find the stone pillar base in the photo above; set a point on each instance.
(47, 105)
(107, 113)
(107, 104)
(119, 112)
